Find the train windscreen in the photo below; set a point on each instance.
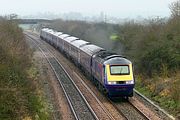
(119, 70)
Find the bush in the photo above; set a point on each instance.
(158, 59)
(18, 98)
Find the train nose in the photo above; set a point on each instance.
(120, 90)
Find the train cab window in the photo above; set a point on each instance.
(119, 70)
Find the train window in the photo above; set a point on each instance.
(119, 70)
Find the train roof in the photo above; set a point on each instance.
(45, 29)
(71, 39)
(91, 49)
(105, 54)
(64, 36)
(79, 43)
(49, 31)
(58, 33)
(117, 60)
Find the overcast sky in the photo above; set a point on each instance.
(115, 8)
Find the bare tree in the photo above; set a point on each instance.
(11, 16)
(175, 8)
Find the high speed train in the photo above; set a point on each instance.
(111, 72)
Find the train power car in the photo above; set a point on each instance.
(114, 73)
(111, 72)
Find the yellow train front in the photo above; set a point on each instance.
(119, 80)
(114, 73)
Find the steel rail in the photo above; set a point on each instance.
(98, 101)
(153, 104)
(137, 109)
(67, 96)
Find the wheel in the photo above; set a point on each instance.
(131, 94)
(126, 98)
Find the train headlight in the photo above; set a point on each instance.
(130, 82)
(112, 83)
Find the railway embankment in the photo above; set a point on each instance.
(20, 96)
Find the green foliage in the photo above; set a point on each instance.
(18, 96)
(169, 101)
(37, 108)
(159, 59)
(175, 87)
(114, 37)
(10, 105)
(164, 91)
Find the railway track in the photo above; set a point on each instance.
(78, 104)
(97, 100)
(126, 108)
(109, 116)
(129, 110)
(135, 114)
(164, 115)
(129, 113)
(139, 111)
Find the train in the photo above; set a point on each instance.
(111, 72)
